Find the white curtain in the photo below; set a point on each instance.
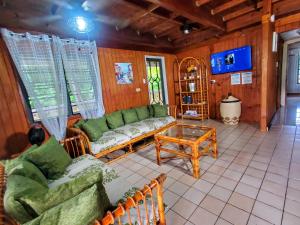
(38, 61)
(80, 59)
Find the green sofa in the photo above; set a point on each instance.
(122, 128)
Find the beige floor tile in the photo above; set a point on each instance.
(178, 188)
(241, 201)
(210, 177)
(187, 179)
(170, 198)
(294, 184)
(246, 190)
(293, 194)
(234, 215)
(226, 183)
(252, 181)
(292, 207)
(218, 170)
(220, 193)
(169, 181)
(175, 173)
(188, 223)
(184, 208)
(237, 167)
(202, 216)
(194, 195)
(174, 219)
(276, 189)
(255, 172)
(270, 199)
(212, 205)
(259, 165)
(254, 220)
(267, 213)
(234, 175)
(144, 171)
(203, 185)
(289, 219)
(220, 221)
(275, 178)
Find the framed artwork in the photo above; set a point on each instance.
(123, 72)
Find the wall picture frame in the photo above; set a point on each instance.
(124, 73)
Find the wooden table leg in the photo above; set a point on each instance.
(195, 161)
(214, 143)
(157, 146)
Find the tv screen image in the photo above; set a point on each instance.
(231, 60)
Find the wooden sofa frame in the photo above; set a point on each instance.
(71, 132)
(156, 185)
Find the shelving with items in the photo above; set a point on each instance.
(193, 89)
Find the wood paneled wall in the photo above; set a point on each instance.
(248, 94)
(14, 122)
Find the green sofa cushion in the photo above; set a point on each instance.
(55, 196)
(151, 111)
(142, 112)
(160, 110)
(51, 158)
(130, 116)
(115, 120)
(79, 124)
(18, 186)
(93, 129)
(83, 209)
(27, 169)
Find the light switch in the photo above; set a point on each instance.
(144, 81)
(138, 90)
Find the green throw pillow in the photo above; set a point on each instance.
(160, 110)
(115, 120)
(41, 202)
(84, 208)
(130, 116)
(27, 169)
(79, 124)
(102, 122)
(51, 158)
(151, 111)
(142, 112)
(92, 129)
(18, 186)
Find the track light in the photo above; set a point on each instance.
(186, 28)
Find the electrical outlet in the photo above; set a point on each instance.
(138, 90)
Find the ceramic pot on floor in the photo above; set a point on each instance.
(230, 109)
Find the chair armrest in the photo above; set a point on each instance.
(74, 132)
(172, 110)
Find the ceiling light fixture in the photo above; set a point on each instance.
(81, 24)
(186, 28)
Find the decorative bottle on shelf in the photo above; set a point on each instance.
(192, 87)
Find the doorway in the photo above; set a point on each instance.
(156, 79)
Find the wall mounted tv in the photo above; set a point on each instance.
(231, 60)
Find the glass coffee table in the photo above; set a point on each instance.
(191, 141)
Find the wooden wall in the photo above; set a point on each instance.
(14, 122)
(248, 94)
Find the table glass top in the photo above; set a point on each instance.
(186, 132)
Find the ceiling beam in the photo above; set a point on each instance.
(226, 6)
(160, 23)
(199, 3)
(137, 16)
(191, 12)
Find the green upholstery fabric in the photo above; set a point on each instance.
(18, 186)
(151, 110)
(83, 209)
(50, 157)
(93, 129)
(129, 116)
(115, 120)
(11, 163)
(103, 124)
(142, 112)
(79, 124)
(27, 169)
(160, 110)
(40, 202)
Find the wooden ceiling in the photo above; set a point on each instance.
(141, 24)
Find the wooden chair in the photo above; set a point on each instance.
(156, 185)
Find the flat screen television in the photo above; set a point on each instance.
(231, 60)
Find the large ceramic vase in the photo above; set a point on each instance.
(230, 109)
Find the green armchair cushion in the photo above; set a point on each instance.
(151, 111)
(41, 202)
(18, 186)
(79, 124)
(84, 208)
(115, 120)
(142, 112)
(27, 169)
(160, 110)
(93, 129)
(129, 116)
(51, 158)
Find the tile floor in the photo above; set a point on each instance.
(254, 181)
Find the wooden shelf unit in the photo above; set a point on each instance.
(200, 95)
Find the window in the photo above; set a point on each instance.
(298, 74)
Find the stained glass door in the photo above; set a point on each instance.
(155, 81)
